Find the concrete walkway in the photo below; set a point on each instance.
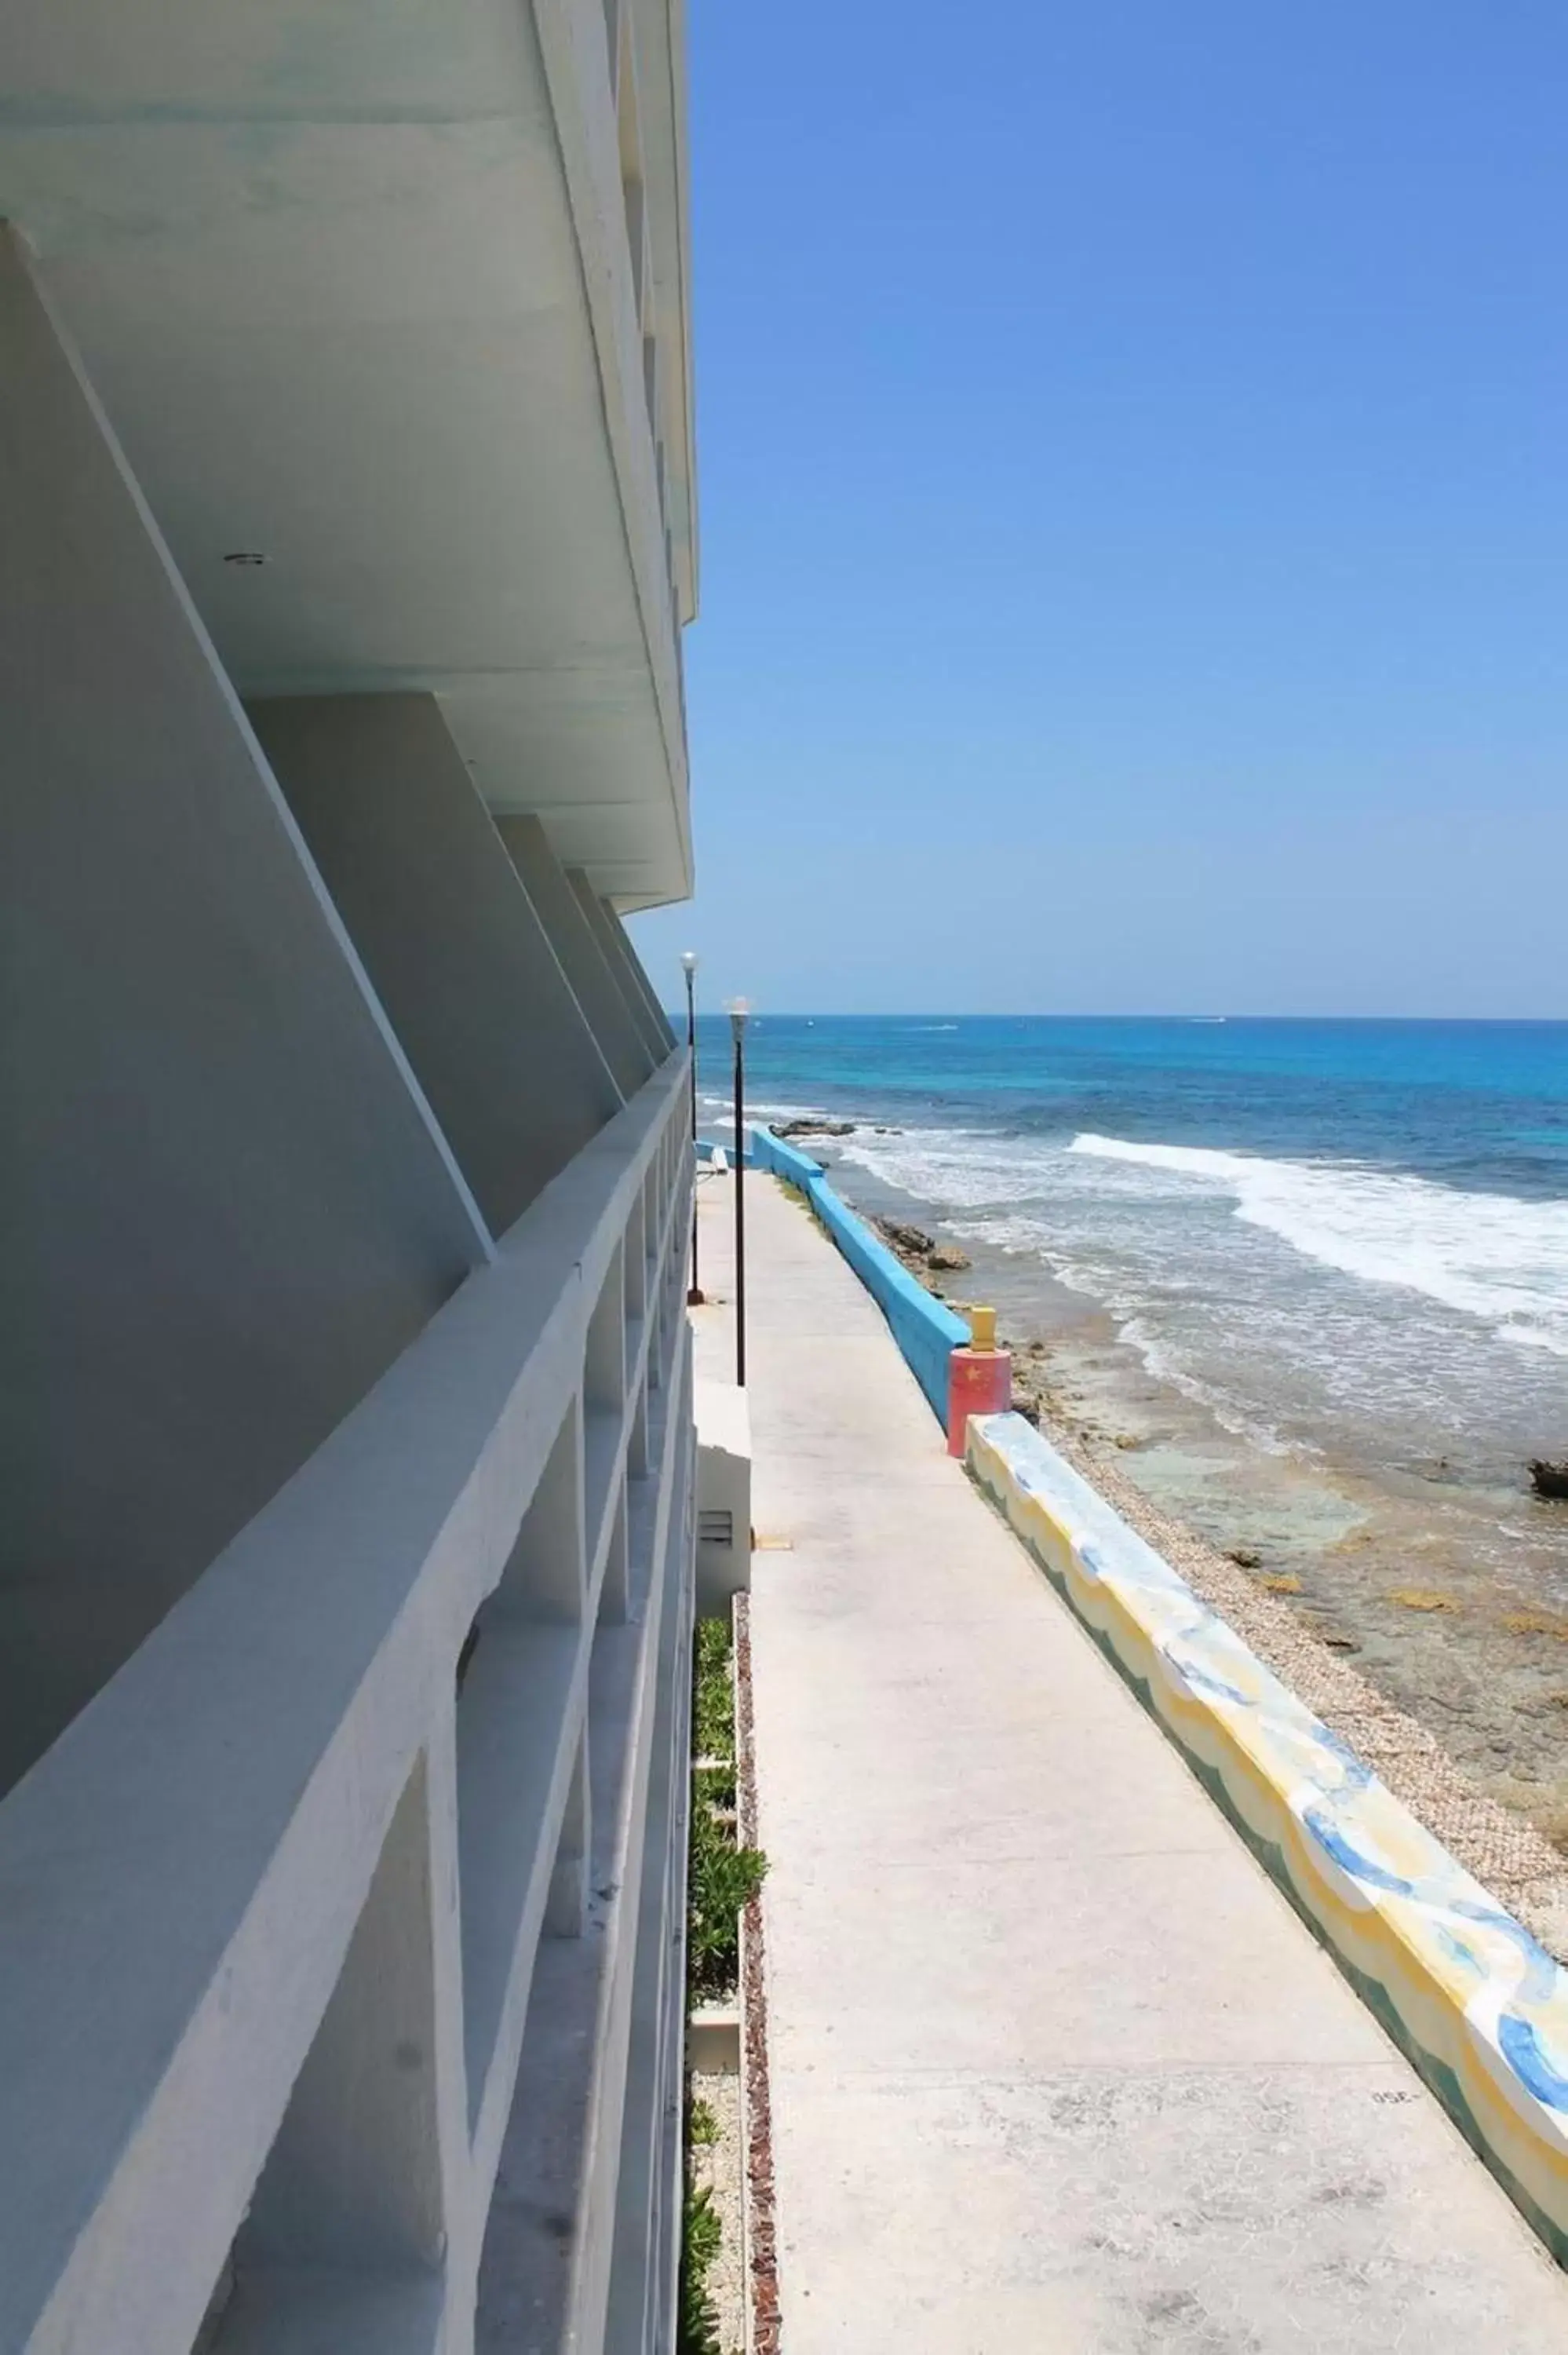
(1054, 2065)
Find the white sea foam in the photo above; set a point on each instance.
(1487, 1255)
(1305, 1303)
(960, 1169)
(718, 1104)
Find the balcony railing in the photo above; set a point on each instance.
(346, 1921)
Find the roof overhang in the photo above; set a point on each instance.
(348, 279)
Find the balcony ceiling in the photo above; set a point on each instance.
(319, 259)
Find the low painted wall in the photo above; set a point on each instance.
(926, 1329)
(1467, 1993)
(707, 1147)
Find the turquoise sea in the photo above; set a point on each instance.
(1345, 1239)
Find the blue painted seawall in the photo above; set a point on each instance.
(707, 1147)
(926, 1331)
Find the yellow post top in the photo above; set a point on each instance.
(982, 1328)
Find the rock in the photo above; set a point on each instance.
(787, 1128)
(1245, 1557)
(920, 1251)
(912, 1241)
(1548, 1479)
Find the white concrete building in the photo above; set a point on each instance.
(346, 536)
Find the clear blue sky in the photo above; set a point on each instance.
(1133, 443)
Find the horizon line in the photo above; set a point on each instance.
(950, 1014)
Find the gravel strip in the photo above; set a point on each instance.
(717, 2167)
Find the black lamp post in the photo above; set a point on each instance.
(689, 967)
(738, 1011)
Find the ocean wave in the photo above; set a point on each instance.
(1167, 1364)
(715, 1104)
(1487, 1255)
(958, 1168)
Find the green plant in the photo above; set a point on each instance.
(724, 1880)
(716, 1784)
(713, 1695)
(697, 2329)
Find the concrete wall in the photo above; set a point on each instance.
(560, 911)
(448, 936)
(227, 1206)
(723, 1497)
(926, 1329)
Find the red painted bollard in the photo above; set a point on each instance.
(980, 1378)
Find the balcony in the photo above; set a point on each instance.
(376, 1829)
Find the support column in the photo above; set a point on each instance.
(449, 935)
(612, 947)
(353, 2181)
(635, 971)
(225, 1206)
(630, 1056)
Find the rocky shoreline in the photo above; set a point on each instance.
(1497, 1842)
(1378, 1591)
